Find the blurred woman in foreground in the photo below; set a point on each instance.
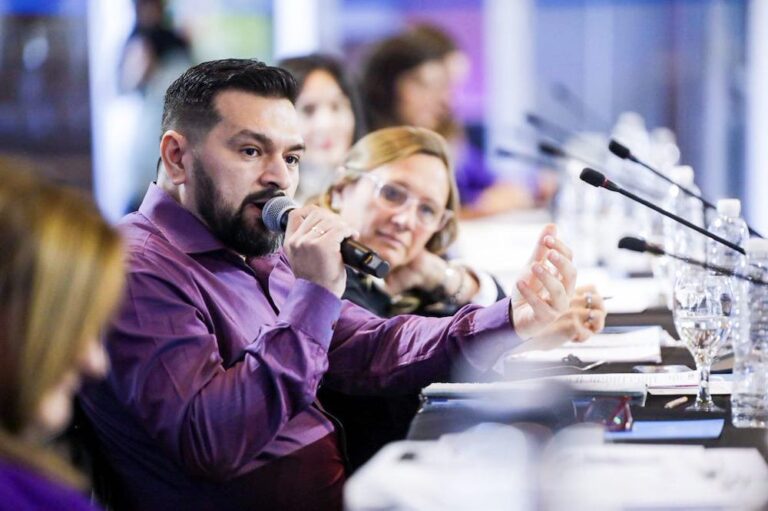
(397, 190)
(61, 274)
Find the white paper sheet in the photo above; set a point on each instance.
(641, 345)
(663, 384)
(622, 476)
(627, 295)
(684, 383)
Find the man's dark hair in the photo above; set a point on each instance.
(189, 107)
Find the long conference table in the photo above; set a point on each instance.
(432, 422)
(512, 236)
(512, 246)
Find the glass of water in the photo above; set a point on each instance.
(702, 311)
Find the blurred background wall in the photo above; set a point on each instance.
(695, 66)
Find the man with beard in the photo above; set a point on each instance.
(224, 337)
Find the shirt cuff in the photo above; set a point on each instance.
(493, 334)
(495, 317)
(312, 309)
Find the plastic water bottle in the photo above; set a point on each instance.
(679, 239)
(749, 398)
(729, 226)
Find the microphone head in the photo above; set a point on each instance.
(551, 150)
(273, 214)
(633, 244)
(619, 150)
(592, 177)
(640, 245)
(532, 119)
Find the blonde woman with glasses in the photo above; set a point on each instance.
(396, 189)
(61, 275)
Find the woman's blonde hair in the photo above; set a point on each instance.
(61, 276)
(389, 145)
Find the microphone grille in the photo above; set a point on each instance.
(633, 244)
(619, 150)
(551, 150)
(592, 177)
(274, 210)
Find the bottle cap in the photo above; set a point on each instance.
(756, 246)
(729, 207)
(683, 175)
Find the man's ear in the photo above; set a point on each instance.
(173, 147)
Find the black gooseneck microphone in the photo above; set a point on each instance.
(624, 153)
(566, 97)
(597, 179)
(503, 152)
(558, 152)
(642, 246)
(354, 254)
(554, 129)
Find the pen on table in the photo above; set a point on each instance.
(676, 402)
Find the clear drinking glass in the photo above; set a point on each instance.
(702, 311)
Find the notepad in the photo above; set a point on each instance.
(656, 383)
(639, 345)
(669, 430)
(498, 389)
(610, 383)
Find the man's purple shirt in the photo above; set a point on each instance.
(216, 360)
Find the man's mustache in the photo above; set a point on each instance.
(261, 197)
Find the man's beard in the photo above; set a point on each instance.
(231, 227)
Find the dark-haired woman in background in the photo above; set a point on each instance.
(408, 79)
(61, 274)
(327, 109)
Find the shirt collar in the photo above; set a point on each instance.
(183, 229)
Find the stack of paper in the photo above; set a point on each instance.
(641, 345)
(656, 383)
(629, 383)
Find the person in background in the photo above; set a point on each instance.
(153, 56)
(327, 108)
(61, 275)
(229, 328)
(397, 190)
(409, 79)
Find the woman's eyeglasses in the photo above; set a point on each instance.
(395, 197)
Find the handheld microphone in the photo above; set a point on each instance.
(642, 246)
(354, 254)
(597, 179)
(624, 153)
